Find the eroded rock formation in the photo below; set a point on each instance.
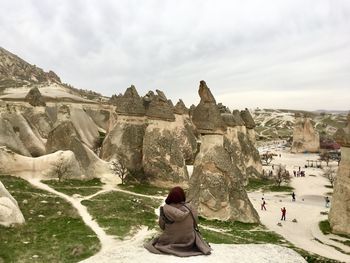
(305, 137)
(216, 185)
(34, 97)
(9, 210)
(339, 215)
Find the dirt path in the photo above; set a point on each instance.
(310, 192)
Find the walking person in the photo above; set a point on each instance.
(293, 197)
(263, 203)
(327, 201)
(284, 211)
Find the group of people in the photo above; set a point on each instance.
(283, 209)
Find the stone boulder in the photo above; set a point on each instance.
(305, 137)
(158, 107)
(216, 187)
(339, 215)
(163, 161)
(206, 116)
(35, 98)
(9, 211)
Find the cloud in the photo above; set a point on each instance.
(238, 47)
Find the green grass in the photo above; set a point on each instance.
(325, 227)
(345, 242)
(235, 232)
(75, 186)
(145, 189)
(266, 185)
(57, 235)
(120, 213)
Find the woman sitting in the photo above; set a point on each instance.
(178, 221)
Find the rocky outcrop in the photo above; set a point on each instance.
(158, 107)
(305, 137)
(216, 188)
(206, 116)
(339, 215)
(39, 167)
(130, 103)
(9, 211)
(29, 139)
(10, 138)
(34, 97)
(125, 141)
(216, 185)
(65, 137)
(180, 108)
(163, 160)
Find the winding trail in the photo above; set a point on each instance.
(310, 192)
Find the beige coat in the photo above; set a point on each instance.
(178, 238)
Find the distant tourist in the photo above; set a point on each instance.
(295, 173)
(180, 236)
(327, 201)
(263, 203)
(293, 197)
(273, 167)
(284, 211)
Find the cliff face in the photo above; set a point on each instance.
(305, 138)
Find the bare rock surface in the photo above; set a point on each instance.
(125, 141)
(9, 210)
(180, 108)
(163, 160)
(35, 98)
(10, 139)
(216, 187)
(206, 116)
(339, 215)
(158, 107)
(305, 137)
(130, 103)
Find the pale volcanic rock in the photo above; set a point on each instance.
(163, 160)
(39, 167)
(9, 211)
(305, 137)
(216, 188)
(10, 138)
(30, 140)
(125, 141)
(339, 215)
(180, 108)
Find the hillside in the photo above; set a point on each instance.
(17, 75)
(278, 123)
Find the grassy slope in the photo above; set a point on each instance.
(53, 231)
(74, 186)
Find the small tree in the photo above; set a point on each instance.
(267, 158)
(61, 168)
(325, 156)
(281, 175)
(119, 168)
(330, 174)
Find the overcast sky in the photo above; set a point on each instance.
(268, 54)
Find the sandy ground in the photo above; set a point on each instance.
(310, 193)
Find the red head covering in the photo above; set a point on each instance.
(175, 196)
